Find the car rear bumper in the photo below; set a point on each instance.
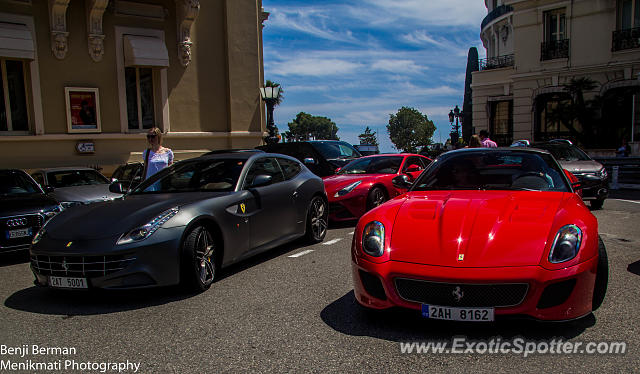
(569, 297)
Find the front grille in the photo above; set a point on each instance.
(79, 266)
(31, 221)
(461, 294)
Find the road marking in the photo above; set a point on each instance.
(301, 253)
(627, 201)
(333, 241)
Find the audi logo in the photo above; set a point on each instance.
(17, 222)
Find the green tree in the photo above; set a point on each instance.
(308, 127)
(409, 129)
(368, 137)
(280, 96)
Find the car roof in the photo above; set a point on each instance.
(69, 168)
(499, 149)
(241, 156)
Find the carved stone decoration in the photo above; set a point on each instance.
(187, 12)
(263, 17)
(95, 37)
(58, 26)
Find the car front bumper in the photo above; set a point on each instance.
(152, 262)
(575, 303)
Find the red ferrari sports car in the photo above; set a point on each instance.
(365, 183)
(482, 233)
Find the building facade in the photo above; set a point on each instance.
(84, 80)
(537, 48)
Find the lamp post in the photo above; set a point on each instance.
(270, 97)
(457, 115)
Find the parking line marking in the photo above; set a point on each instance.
(301, 253)
(332, 241)
(628, 201)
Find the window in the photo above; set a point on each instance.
(501, 122)
(38, 178)
(262, 166)
(140, 104)
(555, 25)
(628, 14)
(413, 160)
(551, 118)
(289, 168)
(13, 97)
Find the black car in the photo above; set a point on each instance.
(182, 224)
(24, 208)
(591, 174)
(130, 175)
(322, 157)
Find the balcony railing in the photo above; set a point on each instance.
(497, 12)
(554, 49)
(496, 62)
(626, 39)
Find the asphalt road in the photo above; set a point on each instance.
(278, 313)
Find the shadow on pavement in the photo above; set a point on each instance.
(81, 303)
(634, 268)
(14, 258)
(346, 316)
(342, 224)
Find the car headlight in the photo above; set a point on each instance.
(373, 239)
(602, 173)
(566, 244)
(347, 189)
(69, 204)
(52, 211)
(146, 230)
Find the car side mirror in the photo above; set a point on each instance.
(309, 161)
(47, 189)
(401, 181)
(117, 187)
(413, 168)
(261, 180)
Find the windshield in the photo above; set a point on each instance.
(333, 150)
(215, 175)
(373, 165)
(70, 178)
(16, 183)
(564, 152)
(494, 170)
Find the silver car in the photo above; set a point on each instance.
(74, 185)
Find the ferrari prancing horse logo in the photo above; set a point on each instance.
(461, 257)
(243, 207)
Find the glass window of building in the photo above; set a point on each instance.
(140, 102)
(13, 98)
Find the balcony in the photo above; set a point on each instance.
(626, 39)
(497, 12)
(554, 49)
(496, 62)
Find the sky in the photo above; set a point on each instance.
(359, 61)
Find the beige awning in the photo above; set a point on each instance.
(16, 41)
(145, 51)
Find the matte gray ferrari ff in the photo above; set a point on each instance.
(182, 224)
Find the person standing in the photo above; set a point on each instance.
(486, 142)
(624, 150)
(474, 142)
(156, 157)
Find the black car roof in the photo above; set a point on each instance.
(501, 149)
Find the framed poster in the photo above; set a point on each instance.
(83, 109)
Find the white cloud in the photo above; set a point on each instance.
(313, 67)
(432, 12)
(308, 20)
(398, 66)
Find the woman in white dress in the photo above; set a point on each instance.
(159, 157)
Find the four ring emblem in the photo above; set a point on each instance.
(17, 222)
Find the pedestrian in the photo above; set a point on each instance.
(474, 142)
(486, 142)
(624, 150)
(156, 157)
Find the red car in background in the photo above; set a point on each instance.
(365, 183)
(483, 233)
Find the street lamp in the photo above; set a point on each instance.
(457, 115)
(270, 97)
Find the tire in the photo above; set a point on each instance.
(199, 261)
(317, 220)
(597, 204)
(602, 276)
(376, 197)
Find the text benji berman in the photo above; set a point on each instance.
(35, 350)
